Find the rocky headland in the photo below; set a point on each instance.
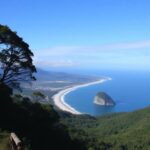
(103, 99)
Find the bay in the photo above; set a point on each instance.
(129, 89)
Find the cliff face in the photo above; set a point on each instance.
(103, 99)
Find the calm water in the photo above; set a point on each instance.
(130, 91)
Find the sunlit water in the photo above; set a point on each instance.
(130, 91)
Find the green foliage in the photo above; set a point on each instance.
(40, 128)
(37, 96)
(121, 131)
(15, 58)
(36, 124)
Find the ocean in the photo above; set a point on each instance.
(129, 89)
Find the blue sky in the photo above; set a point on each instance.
(84, 34)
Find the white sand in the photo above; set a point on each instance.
(59, 97)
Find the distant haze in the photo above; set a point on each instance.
(128, 56)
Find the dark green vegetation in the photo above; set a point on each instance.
(103, 98)
(121, 131)
(15, 59)
(36, 124)
(40, 128)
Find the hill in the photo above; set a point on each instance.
(104, 99)
(37, 125)
(43, 75)
(121, 131)
(41, 127)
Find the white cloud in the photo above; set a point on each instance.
(120, 53)
(129, 45)
(82, 50)
(56, 63)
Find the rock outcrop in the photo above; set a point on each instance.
(103, 99)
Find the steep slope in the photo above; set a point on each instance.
(37, 125)
(103, 99)
(117, 131)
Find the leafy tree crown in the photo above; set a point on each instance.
(16, 63)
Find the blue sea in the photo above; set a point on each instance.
(129, 89)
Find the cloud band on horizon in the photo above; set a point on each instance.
(130, 54)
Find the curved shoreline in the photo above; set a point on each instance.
(59, 101)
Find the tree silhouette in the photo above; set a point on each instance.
(15, 59)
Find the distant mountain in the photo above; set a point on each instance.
(49, 82)
(43, 75)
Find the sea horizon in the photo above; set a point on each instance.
(129, 89)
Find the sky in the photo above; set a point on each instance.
(82, 34)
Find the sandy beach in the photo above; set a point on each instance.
(59, 97)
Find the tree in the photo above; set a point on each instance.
(38, 96)
(15, 59)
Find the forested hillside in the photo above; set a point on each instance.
(37, 125)
(40, 128)
(123, 131)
